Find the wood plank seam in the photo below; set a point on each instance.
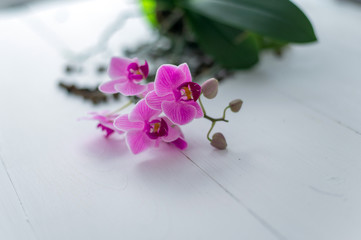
(26, 216)
(262, 221)
(339, 122)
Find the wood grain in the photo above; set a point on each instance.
(291, 170)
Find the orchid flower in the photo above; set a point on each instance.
(150, 87)
(144, 129)
(106, 121)
(175, 94)
(126, 75)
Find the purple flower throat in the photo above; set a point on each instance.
(136, 72)
(188, 91)
(156, 129)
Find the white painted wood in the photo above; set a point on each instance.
(74, 184)
(14, 222)
(292, 169)
(296, 168)
(325, 76)
(294, 151)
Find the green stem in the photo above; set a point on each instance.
(121, 108)
(213, 120)
(224, 112)
(210, 130)
(200, 102)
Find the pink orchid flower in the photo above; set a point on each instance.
(126, 75)
(175, 94)
(106, 121)
(144, 129)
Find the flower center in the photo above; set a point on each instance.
(156, 129)
(188, 91)
(137, 73)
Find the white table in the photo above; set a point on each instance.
(292, 169)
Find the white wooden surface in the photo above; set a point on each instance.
(292, 169)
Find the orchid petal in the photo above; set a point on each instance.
(105, 121)
(174, 131)
(168, 78)
(145, 69)
(154, 101)
(96, 116)
(130, 88)
(137, 77)
(150, 87)
(179, 112)
(199, 113)
(185, 69)
(108, 131)
(133, 66)
(138, 141)
(118, 67)
(180, 143)
(109, 87)
(122, 123)
(141, 112)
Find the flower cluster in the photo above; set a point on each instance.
(169, 102)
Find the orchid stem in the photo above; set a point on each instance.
(210, 130)
(224, 112)
(200, 102)
(213, 120)
(121, 108)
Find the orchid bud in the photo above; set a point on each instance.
(218, 141)
(210, 88)
(235, 105)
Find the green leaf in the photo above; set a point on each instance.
(229, 46)
(149, 9)
(278, 19)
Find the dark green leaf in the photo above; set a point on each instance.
(278, 19)
(229, 46)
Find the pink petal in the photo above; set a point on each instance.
(138, 141)
(154, 101)
(174, 131)
(130, 88)
(168, 77)
(185, 69)
(122, 123)
(108, 131)
(118, 67)
(180, 143)
(109, 87)
(198, 108)
(145, 69)
(150, 87)
(179, 112)
(142, 113)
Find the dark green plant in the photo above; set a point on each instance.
(233, 32)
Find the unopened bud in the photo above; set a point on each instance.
(235, 105)
(218, 141)
(210, 88)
